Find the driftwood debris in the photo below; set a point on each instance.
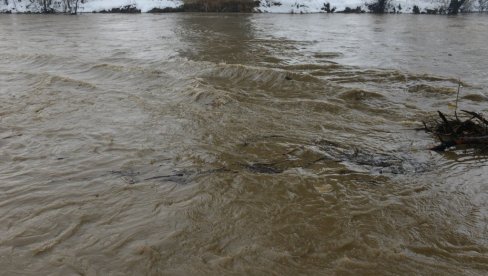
(470, 129)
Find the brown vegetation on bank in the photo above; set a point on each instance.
(220, 5)
(197, 6)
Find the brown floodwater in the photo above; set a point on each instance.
(208, 144)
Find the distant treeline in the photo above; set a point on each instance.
(197, 6)
(49, 6)
(71, 6)
(372, 6)
(454, 7)
(219, 5)
(386, 6)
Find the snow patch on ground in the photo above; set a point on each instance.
(143, 5)
(307, 6)
(23, 6)
(19, 6)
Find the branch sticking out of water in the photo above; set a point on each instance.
(453, 131)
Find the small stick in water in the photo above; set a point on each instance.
(457, 99)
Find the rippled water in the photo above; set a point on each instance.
(191, 144)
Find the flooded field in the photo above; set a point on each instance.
(208, 144)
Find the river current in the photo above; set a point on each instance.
(254, 144)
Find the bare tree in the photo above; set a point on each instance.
(468, 6)
(482, 5)
(46, 6)
(66, 6)
(379, 6)
(456, 5)
(71, 6)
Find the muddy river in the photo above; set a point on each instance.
(207, 144)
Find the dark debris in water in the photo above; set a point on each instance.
(260, 138)
(313, 155)
(131, 177)
(168, 177)
(263, 168)
(471, 130)
(329, 152)
(179, 176)
(128, 176)
(382, 163)
(12, 136)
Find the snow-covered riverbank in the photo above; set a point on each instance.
(315, 6)
(35, 6)
(271, 6)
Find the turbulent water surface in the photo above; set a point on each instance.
(192, 144)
